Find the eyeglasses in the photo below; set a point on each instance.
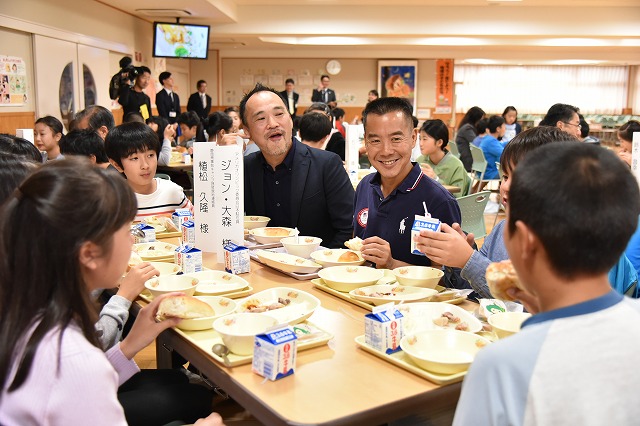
(571, 124)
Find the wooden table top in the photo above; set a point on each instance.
(333, 384)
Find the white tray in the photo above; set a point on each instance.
(281, 249)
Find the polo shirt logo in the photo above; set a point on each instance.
(402, 225)
(362, 217)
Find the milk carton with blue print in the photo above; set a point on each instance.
(420, 223)
(180, 216)
(383, 328)
(274, 353)
(188, 258)
(188, 232)
(236, 258)
(149, 233)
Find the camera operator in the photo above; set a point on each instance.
(133, 99)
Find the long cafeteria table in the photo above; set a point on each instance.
(334, 384)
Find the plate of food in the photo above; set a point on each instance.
(212, 283)
(337, 257)
(381, 294)
(287, 262)
(154, 251)
(271, 235)
(437, 315)
(287, 305)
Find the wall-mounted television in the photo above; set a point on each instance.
(180, 40)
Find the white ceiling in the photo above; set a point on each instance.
(529, 31)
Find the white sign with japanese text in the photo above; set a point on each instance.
(218, 181)
(355, 138)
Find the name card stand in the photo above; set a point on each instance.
(218, 182)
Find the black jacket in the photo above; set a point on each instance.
(195, 104)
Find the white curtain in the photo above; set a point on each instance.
(533, 89)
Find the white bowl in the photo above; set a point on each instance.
(221, 306)
(252, 222)
(507, 323)
(301, 246)
(166, 268)
(238, 331)
(287, 262)
(443, 351)
(155, 251)
(347, 278)
(212, 283)
(264, 235)
(418, 276)
(329, 257)
(170, 283)
(420, 316)
(385, 293)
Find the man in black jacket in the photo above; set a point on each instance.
(133, 99)
(324, 94)
(200, 102)
(290, 97)
(167, 101)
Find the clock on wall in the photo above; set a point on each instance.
(333, 67)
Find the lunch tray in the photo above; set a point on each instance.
(168, 234)
(321, 285)
(251, 243)
(205, 339)
(403, 361)
(147, 297)
(296, 275)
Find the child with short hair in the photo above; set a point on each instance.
(133, 149)
(572, 209)
(47, 133)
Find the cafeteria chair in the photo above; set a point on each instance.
(478, 168)
(472, 213)
(163, 176)
(453, 149)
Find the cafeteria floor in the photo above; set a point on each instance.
(232, 413)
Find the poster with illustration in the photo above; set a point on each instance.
(13, 80)
(398, 79)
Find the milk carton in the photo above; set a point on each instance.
(274, 353)
(149, 233)
(189, 258)
(383, 328)
(420, 223)
(188, 232)
(180, 216)
(236, 258)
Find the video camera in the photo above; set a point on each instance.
(129, 73)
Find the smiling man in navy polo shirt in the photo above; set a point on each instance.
(387, 201)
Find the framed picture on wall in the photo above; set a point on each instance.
(399, 79)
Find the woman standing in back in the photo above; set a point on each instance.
(467, 133)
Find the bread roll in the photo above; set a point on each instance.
(500, 277)
(276, 232)
(354, 244)
(348, 256)
(134, 260)
(185, 307)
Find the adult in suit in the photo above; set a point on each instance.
(294, 185)
(200, 102)
(290, 97)
(323, 93)
(167, 101)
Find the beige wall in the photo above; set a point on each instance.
(205, 70)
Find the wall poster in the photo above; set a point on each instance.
(13, 80)
(398, 79)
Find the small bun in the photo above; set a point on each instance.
(185, 307)
(501, 276)
(349, 256)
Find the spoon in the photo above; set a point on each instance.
(222, 351)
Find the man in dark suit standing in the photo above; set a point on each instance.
(323, 93)
(200, 102)
(294, 185)
(167, 102)
(290, 97)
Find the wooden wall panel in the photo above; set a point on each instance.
(10, 121)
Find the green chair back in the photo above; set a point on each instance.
(453, 149)
(472, 211)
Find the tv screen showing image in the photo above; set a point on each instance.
(180, 40)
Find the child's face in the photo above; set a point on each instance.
(112, 264)
(428, 145)
(236, 121)
(140, 168)
(510, 117)
(188, 132)
(624, 145)
(44, 138)
(506, 184)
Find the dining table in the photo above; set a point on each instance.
(333, 384)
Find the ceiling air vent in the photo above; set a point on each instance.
(165, 13)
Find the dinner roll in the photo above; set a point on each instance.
(500, 277)
(185, 307)
(354, 244)
(348, 256)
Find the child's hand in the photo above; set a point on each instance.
(530, 301)
(145, 328)
(449, 247)
(133, 283)
(427, 170)
(212, 419)
(169, 132)
(625, 156)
